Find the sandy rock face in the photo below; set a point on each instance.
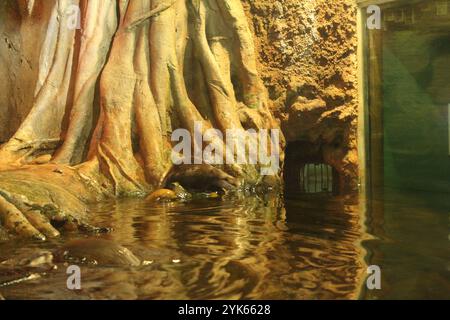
(308, 63)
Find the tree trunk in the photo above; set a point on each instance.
(134, 73)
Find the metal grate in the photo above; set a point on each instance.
(316, 178)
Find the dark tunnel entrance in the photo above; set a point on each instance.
(305, 172)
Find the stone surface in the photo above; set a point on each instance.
(308, 63)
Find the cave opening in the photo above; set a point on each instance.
(306, 173)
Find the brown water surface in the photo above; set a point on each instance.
(249, 248)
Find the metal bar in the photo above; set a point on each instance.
(305, 182)
(315, 178)
(321, 178)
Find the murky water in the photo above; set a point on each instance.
(250, 248)
(411, 244)
(407, 125)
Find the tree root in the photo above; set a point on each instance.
(202, 177)
(34, 199)
(155, 66)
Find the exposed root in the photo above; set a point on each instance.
(14, 220)
(142, 69)
(202, 177)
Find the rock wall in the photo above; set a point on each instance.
(309, 65)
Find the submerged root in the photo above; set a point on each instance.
(36, 201)
(14, 220)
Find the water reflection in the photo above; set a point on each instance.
(247, 248)
(410, 244)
